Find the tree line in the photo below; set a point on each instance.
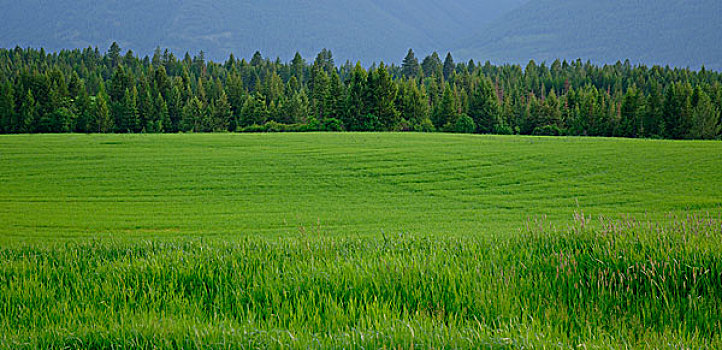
(87, 91)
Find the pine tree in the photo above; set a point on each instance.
(355, 98)
(103, 121)
(633, 109)
(295, 110)
(164, 123)
(125, 113)
(222, 114)
(257, 59)
(298, 66)
(147, 113)
(8, 122)
(705, 118)
(484, 107)
(175, 109)
(254, 111)
(114, 55)
(324, 60)
(193, 116)
(28, 113)
(319, 86)
(410, 67)
(432, 65)
(385, 98)
(335, 97)
(449, 66)
(414, 104)
(653, 116)
(446, 111)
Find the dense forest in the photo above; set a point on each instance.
(88, 91)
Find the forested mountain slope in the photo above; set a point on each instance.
(367, 30)
(675, 32)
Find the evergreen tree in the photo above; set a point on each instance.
(222, 114)
(446, 111)
(163, 121)
(125, 113)
(103, 121)
(653, 116)
(449, 66)
(193, 116)
(175, 109)
(147, 112)
(335, 97)
(235, 94)
(295, 110)
(385, 98)
(432, 65)
(257, 59)
(410, 67)
(298, 68)
(414, 104)
(633, 110)
(484, 107)
(254, 111)
(8, 123)
(355, 99)
(114, 55)
(705, 118)
(28, 113)
(319, 86)
(325, 61)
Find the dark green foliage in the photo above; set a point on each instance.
(570, 98)
(465, 124)
(446, 111)
(8, 121)
(484, 107)
(410, 67)
(254, 111)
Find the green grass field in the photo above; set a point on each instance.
(358, 240)
(230, 186)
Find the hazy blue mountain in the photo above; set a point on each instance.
(674, 32)
(367, 30)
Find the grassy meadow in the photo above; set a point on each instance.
(359, 241)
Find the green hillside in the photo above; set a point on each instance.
(673, 32)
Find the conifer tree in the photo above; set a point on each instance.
(632, 113)
(222, 114)
(484, 107)
(254, 111)
(193, 116)
(410, 67)
(28, 113)
(449, 66)
(385, 98)
(446, 111)
(103, 121)
(163, 120)
(705, 118)
(8, 122)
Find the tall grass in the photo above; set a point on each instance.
(596, 283)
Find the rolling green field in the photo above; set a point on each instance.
(358, 240)
(230, 186)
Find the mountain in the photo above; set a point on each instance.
(675, 32)
(366, 30)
